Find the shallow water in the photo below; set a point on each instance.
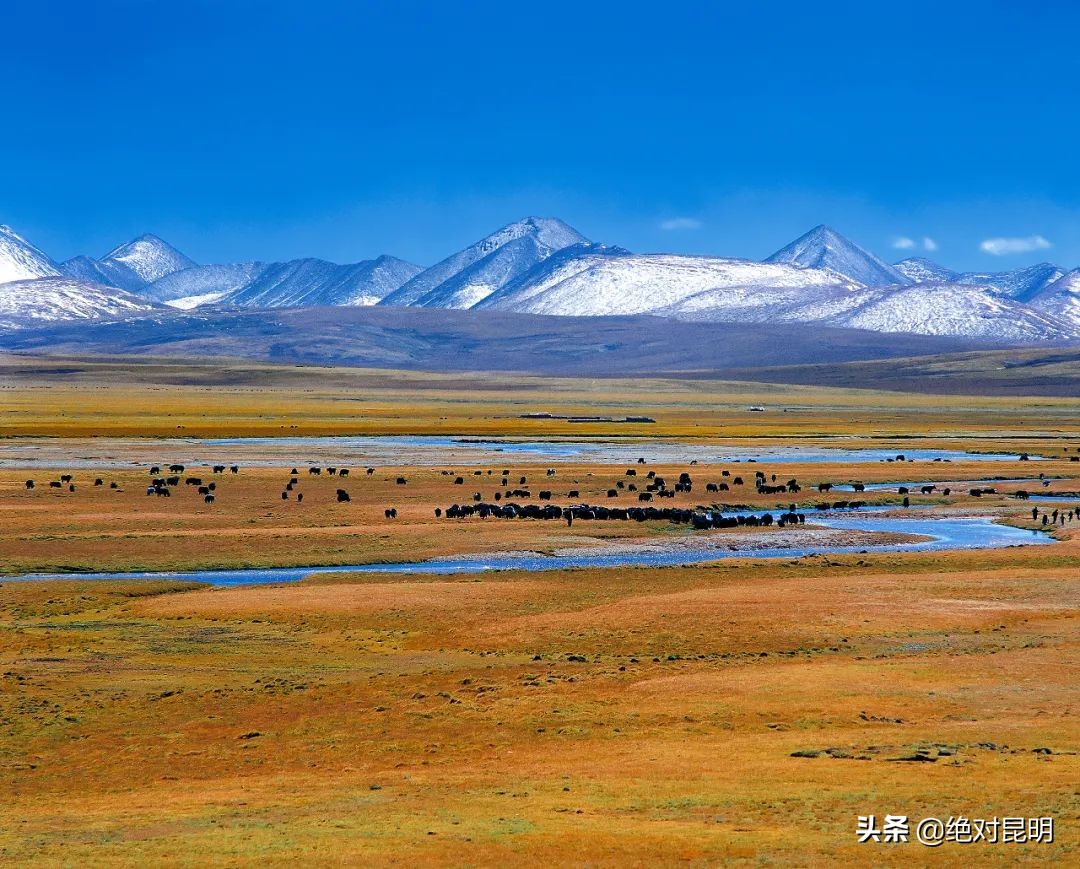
(435, 451)
(942, 483)
(945, 533)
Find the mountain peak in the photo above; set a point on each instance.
(470, 275)
(824, 248)
(20, 260)
(921, 270)
(145, 259)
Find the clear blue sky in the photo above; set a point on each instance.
(344, 130)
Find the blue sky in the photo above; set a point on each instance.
(344, 130)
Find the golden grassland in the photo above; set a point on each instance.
(578, 717)
(584, 717)
(94, 398)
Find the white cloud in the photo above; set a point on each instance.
(902, 242)
(1003, 246)
(676, 223)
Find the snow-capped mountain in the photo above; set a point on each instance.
(20, 260)
(601, 282)
(924, 309)
(140, 262)
(920, 270)
(51, 299)
(201, 285)
(542, 266)
(1021, 284)
(85, 268)
(470, 275)
(950, 309)
(1061, 299)
(560, 266)
(824, 248)
(308, 282)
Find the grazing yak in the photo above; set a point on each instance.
(55, 484)
(401, 481)
(343, 496)
(315, 472)
(208, 499)
(29, 484)
(391, 513)
(234, 469)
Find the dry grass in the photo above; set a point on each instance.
(596, 717)
(581, 717)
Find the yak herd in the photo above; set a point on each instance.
(652, 486)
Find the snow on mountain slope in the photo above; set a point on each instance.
(560, 266)
(50, 299)
(598, 283)
(769, 303)
(951, 309)
(85, 268)
(20, 260)
(205, 283)
(476, 282)
(465, 278)
(307, 282)
(142, 261)
(1019, 284)
(922, 271)
(824, 248)
(1061, 299)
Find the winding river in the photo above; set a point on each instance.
(941, 533)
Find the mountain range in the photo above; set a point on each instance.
(542, 266)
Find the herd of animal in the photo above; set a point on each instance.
(646, 487)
